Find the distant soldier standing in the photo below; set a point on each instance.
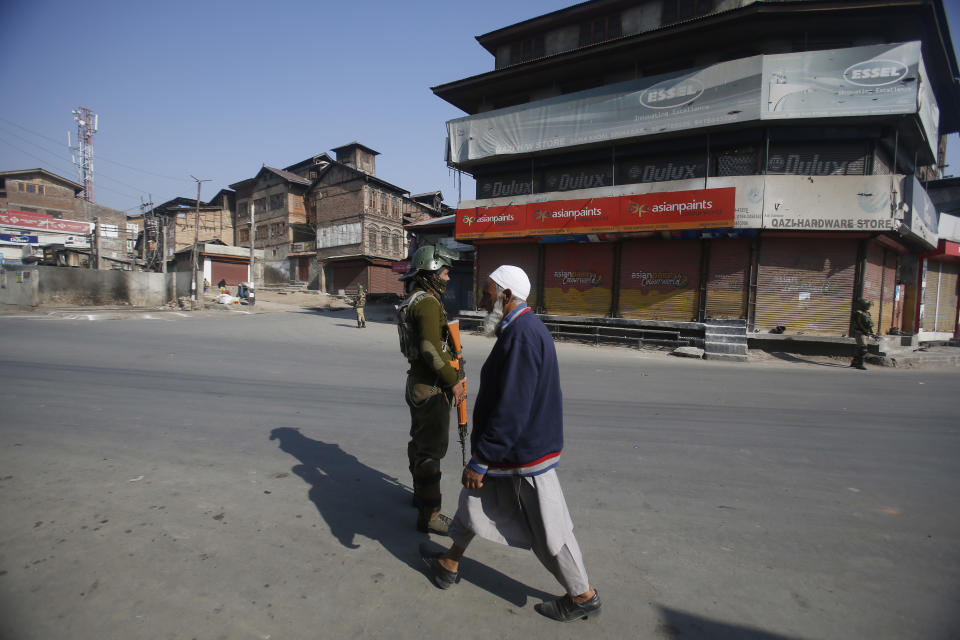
(432, 383)
(359, 303)
(862, 329)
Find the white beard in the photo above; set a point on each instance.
(493, 319)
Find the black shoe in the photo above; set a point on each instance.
(566, 610)
(438, 524)
(861, 367)
(440, 576)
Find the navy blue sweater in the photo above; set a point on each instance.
(518, 414)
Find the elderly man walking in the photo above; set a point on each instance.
(511, 492)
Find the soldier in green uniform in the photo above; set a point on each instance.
(359, 303)
(862, 329)
(433, 385)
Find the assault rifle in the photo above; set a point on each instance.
(457, 363)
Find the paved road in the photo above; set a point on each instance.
(243, 476)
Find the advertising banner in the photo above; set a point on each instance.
(19, 239)
(30, 220)
(673, 210)
(872, 80)
(701, 97)
(857, 81)
(920, 215)
(829, 203)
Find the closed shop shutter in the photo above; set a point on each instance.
(940, 297)
(383, 280)
(727, 277)
(526, 256)
(347, 275)
(233, 272)
(660, 280)
(577, 279)
(806, 285)
(879, 285)
(947, 311)
(931, 286)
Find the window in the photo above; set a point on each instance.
(372, 239)
(277, 201)
(527, 49)
(262, 232)
(259, 206)
(28, 187)
(677, 10)
(599, 29)
(385, 240)
(242, 209)
(396, 243)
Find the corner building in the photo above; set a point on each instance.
(673, 161)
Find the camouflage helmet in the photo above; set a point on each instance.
(863, 303)
(432, 257)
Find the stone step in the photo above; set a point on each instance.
(729, 357)
(724, 322)
(726, 339)
(724, 331)
(725, 348)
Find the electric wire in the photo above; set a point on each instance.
(57, 155)
(99, 157)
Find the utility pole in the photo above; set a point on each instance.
(253, 234)
(195, 283)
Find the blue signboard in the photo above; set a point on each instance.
(19, 239)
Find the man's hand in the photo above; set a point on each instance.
(471, 479)
(459, 391)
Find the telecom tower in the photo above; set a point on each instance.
(83, 158)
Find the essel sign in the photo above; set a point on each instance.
(696, 209)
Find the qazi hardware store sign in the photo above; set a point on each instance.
(694, 209)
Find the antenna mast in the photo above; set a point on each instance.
(86, 127)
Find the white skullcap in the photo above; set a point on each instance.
(510, 277)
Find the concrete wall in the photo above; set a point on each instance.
(14, 294)
(64, 286)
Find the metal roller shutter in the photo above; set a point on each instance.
(879, 285)
(727, 276)
(578, 278)
(660, 280)
(931, 289)
(233, 272)
(347, 275)
(806, 285)
(940, 297)
(947, 311)
(526, 256)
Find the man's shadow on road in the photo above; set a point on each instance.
(357, 500)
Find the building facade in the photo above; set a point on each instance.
(744, 160)
(43, 219)
(330, 221)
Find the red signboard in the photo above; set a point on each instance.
(30, 220)
(697, 209)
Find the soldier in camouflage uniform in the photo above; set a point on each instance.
(432, 384)
(862, 329)
(359, 303)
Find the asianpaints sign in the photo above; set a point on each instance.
(698, 209)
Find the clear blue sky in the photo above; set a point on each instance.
(216, 89)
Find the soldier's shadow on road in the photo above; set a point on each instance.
(357, 501)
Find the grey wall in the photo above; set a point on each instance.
(65, 286)
(17, 295)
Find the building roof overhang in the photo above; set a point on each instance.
(51, 176)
